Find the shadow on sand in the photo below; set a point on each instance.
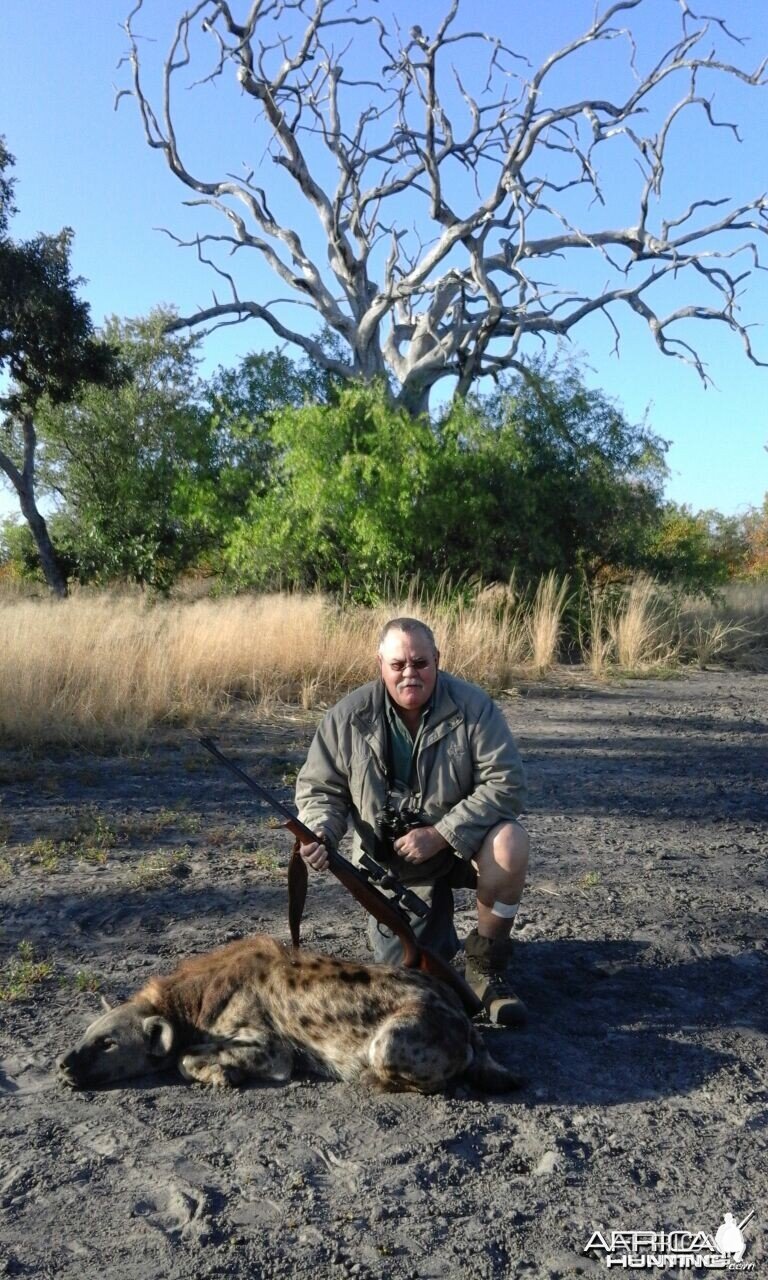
(608, 1025)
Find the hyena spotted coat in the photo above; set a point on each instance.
(246, 1010)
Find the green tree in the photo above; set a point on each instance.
(124, 461)
(18, 554)
(756, 523)
(241, 405)
(729, 537)
(153, 477)
(545, 474)
(345, 504)
(47, 349)
(681, 550)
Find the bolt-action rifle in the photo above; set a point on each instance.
(392, 912)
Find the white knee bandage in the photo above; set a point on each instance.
(506, 910)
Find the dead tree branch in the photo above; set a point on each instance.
(431, 224)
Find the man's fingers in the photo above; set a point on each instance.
(403, 850)
(315, 855)
(419, 844)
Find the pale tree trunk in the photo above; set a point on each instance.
(23, 482)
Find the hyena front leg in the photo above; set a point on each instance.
(231, 1062)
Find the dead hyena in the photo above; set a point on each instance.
(245, 1010)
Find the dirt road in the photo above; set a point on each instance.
(642, 953)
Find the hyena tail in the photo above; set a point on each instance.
(485, 1073)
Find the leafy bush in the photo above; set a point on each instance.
(546, 476)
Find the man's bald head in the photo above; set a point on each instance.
(409, 627)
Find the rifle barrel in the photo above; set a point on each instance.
(271, 800)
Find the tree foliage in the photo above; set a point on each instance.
(151, 477)
(270, 473)
(681, 550)
(241, 405)
(702, 551)
(756, 564)
(121, 459)
(546, 474)
(48, 350)
(47, 341)
(345, 504)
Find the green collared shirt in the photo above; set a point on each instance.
(402, 745)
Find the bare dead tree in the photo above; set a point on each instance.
(448, 216)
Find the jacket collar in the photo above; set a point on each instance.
(445, 716)
(370, 718)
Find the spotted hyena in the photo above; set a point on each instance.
(246, 1010)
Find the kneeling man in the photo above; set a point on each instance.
(424, 745)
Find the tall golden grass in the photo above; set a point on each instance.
(635, 629)
(645, 627)
(545, 621)
(98, 669)
(105, 668)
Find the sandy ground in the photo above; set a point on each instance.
(641, 952)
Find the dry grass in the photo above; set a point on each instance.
(643, 629)
(647, 627)
(544, 623)
(634, 629)
(734, 628)
(105, 669)
(596, 642)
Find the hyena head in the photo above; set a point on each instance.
(124, 1042)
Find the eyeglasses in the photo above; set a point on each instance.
(419, 664)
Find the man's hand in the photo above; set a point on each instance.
(420, 844)
(316, 855)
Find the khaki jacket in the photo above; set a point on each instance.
(469, 775)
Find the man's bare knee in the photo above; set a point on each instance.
(505, 849)
(502, 863)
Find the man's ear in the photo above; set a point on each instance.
(378, 659)
(158, 1036)
(437, 658)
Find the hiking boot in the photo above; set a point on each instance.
(486, 974)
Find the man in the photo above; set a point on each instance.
(423, 740)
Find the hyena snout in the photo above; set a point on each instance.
(120, 1044)
(69, 1070)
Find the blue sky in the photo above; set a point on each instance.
(82, 164)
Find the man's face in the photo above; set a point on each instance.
(408, 665)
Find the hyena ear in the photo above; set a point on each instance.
(158, 1036)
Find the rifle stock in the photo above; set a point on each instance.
(355, 882)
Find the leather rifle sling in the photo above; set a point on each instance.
(297, 892)
(368, 897)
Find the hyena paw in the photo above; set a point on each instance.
(211, 1074)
